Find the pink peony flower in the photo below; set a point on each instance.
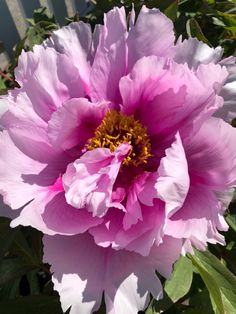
(110, 148)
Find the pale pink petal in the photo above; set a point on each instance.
(211, 155)
(50, 213)
(75, 122)
(152, 35)
(82, 271)
(45, 88)
(165, 254)
(197, 219)
(75, 41)
(228, 92)
(194, 52)
(14, 187)
(140, 237)
(110, 59)
(176, 97)
(89, 180)
(78, 271)
(173, 180)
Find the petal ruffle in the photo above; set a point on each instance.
(173, 179)
(89, 181)
(45, 88)
(50, 213)
(152, 34)
(75, 122)
(211, 155)
(83, 270)
(194, 52)
(75, 41)
(110, 59)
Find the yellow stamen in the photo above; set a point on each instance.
(115, 129)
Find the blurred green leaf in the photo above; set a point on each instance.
(172, 10)
(180, 282)
(31, 304)
(201, 302)
(231, 220)
(2, 83)
(220, 282)
(194, 30)
(7, 235)
(10, 289)
(13, 268)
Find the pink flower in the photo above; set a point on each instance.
(111, 147)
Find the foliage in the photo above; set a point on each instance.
(202, 283)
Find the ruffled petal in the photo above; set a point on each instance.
(75, 41)
(194, 53)
(75, 122)
(197, 219)
(151, 35)
(228, 92)
(173, 179)
(211, 155)
(15, 168)
(139, 237)
(89, 180)
(48, 78)
(82, 271)
(177, 98)
(110, 59)
(50, 213)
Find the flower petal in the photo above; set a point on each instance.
(211, 155)
(194, 53)
(110, 59)
(89, 180)
(75, 122)
(152, 35)
(50, 213)
(82, 271)
(75, 41)
(45, 88)
(173, 180)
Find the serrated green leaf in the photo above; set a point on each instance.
(180, 282)
(221, 283)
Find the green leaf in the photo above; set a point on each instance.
(10, 289)
(228, 19)
(42, 14)
(2, 83)
(201, 302)
(31, 304)
(7, 235)
(172, 11)
(194, 30)
(13, 268)
(161, 305)
(220, 282)
(180, 282)
(231, 220)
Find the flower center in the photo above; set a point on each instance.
(117, 128)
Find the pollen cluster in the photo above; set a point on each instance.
(117, 128)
